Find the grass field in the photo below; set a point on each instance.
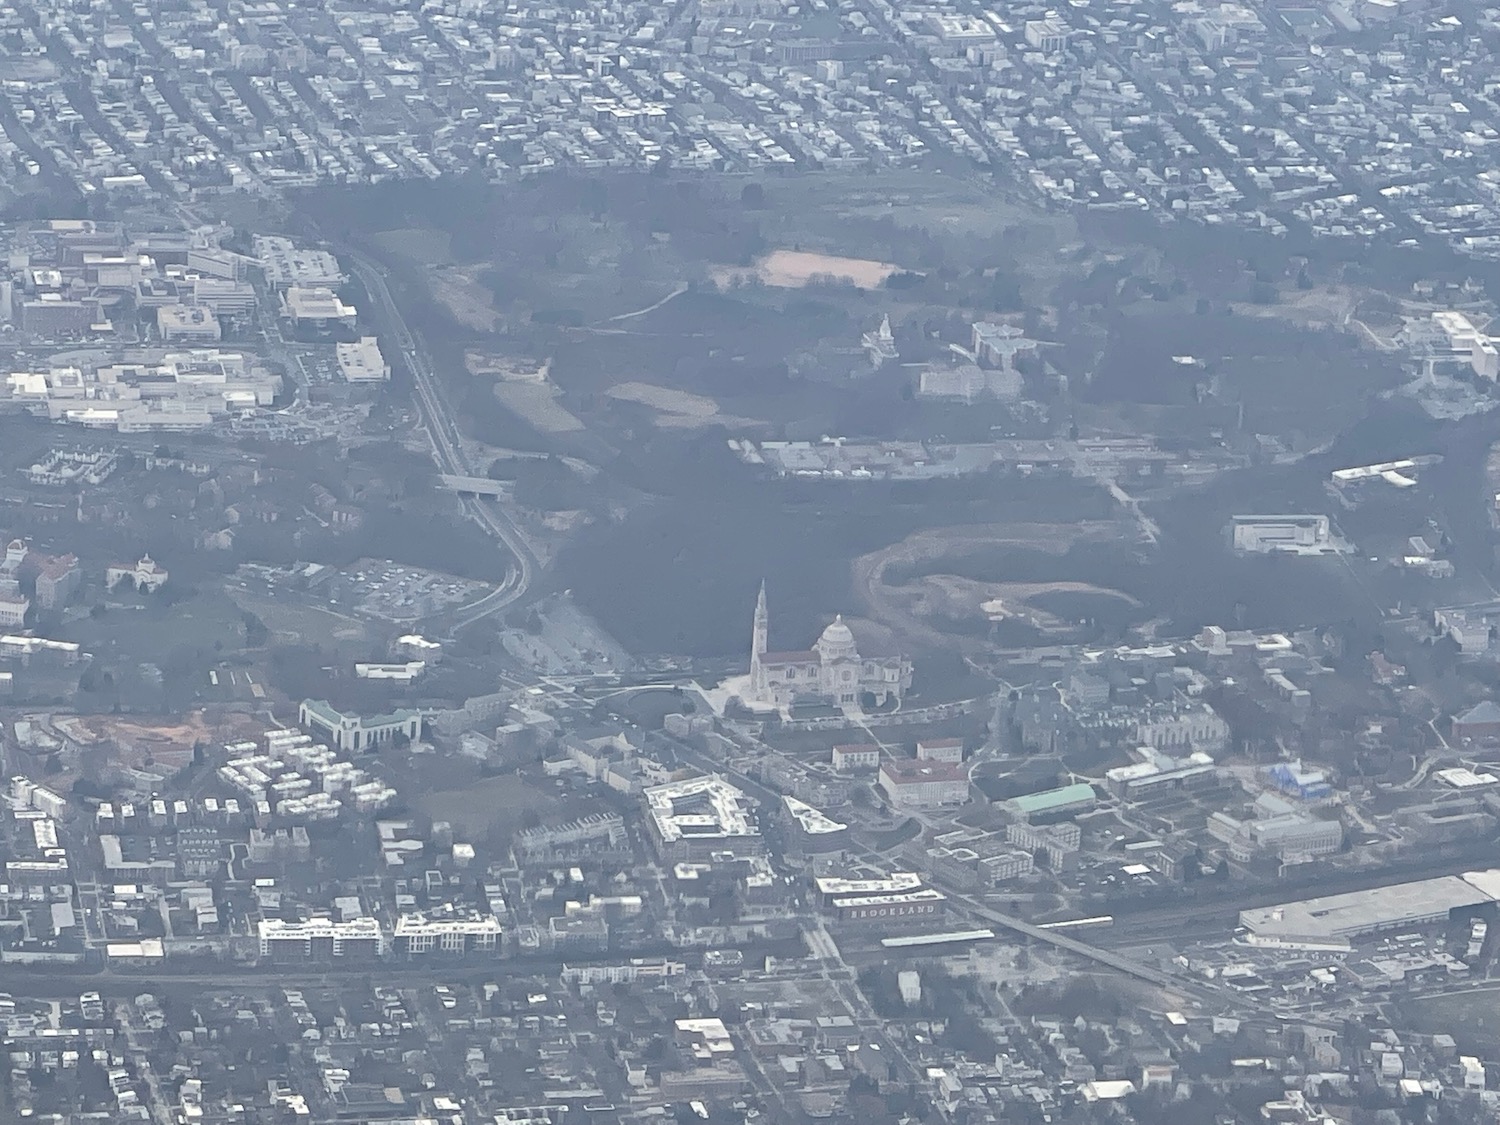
(292, 623)
(417, 244)
(494, 805)
(150, 630)
(1472, 1017)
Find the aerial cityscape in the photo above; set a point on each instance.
(755, 562)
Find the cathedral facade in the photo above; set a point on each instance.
(832, 671)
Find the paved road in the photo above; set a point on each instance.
(448, 451)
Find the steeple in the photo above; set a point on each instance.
(762, 625)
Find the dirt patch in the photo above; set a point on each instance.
(165, 745)
(493, 366)
(677, 409)
(467, 300)
(947, 596)
(537, 404)
(794, 269)
(423, 245)
(1325, 306)
(665, 399)
(909, 608)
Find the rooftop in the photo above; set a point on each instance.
(1336, 916)
(908, 771)
(699, 808)
(1050, 799)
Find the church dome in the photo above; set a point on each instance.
(837, 642)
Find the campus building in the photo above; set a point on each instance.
(353, 733)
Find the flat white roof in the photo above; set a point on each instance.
(699, 808)
(1361, 912)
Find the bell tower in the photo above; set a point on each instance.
(759, 634)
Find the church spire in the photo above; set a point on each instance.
(762, 623)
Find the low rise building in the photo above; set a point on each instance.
(1299, 534)
(913, 784)
(418, 934)
(145, 576)
(397, 673)
(316, 307)
(910, 907)
(320, 939)
(950, 750)
(191, 323)
(856, 758)
(1064, 801)
(695, 818)
(353, 733)
(361, 361)
(1480, 723)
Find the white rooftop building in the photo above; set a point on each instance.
(361, 361)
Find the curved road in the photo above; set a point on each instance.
(448, 452)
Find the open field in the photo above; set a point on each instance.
(494, 805)
(793, 269)
(909, 606)
(537, 405)
(1471, 1016)
(292, 623)
(150, 631)
(1038, 604)
(677, 409)
(460, 292)
(423, 245)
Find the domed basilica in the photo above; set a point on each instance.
(832, 671)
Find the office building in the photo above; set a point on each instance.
(912, 784)
(361, 361)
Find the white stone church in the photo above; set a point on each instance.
(832, 671)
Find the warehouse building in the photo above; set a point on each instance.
(1424, 902)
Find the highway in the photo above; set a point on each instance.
(448, 451)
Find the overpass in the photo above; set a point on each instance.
(478, 486)
(1121, 964)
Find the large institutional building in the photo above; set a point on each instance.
(832, 671)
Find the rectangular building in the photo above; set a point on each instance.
(317, 308)
(912, 784)
(1064, 801)
(693, 819)
(192, 323)
(13, 610)
(1400, 905)
(58, 580)
(418, 934)
(851, 759)
(1300, 534)
(950, 750)
(320, 939)
(884, 910)
(352, 733)
(361, 361)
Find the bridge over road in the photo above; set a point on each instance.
(478, 486)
